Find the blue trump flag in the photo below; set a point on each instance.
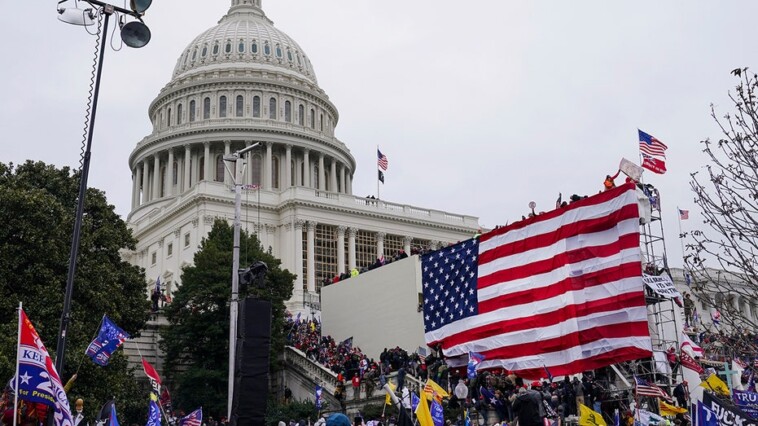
(438, 414)
(414, 401)
(154, 415)
(107, 341)
(319, 391)
(706, 417)
(113, 419)
(474, 359)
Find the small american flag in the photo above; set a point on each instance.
(684, 214)
(194, 418)
(382, 162)
(650, 145)
(645, 388)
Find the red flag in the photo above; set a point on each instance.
(688, 362)
(155, 379)
(653, 164)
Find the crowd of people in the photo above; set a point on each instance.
(380, 261)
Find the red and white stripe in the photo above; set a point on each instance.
(562, 290)
(656, 149)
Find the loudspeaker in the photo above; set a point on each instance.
(251, 372)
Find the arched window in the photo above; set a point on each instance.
(228, 47)
(215, 49)
(222, 106)
(256, 163)
(272, 108)
(175, 177)
(168, 117)
(300, 116)
(313, 119)
(206, 108)
(220, 168)
(288, 111)
(267, 49)
(289, 54)
(292, 172)
(205, 52)
(275, 172)
(256, 106)
(192, 111)
(201, 168)
(179, 112)
(194, 55)
(278, 51)
(240, 107)
(241, 47)
(254, 47)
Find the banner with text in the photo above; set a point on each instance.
(747, 401)
(661, 285)
(726, 413)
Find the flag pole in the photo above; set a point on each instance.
(18, 359)
(377, 175)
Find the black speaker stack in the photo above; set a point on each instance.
(251, 372)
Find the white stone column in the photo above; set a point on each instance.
(351, 247)
(341, 249)
(268, 167)
(298, 249)
(249, 162)
(380, 244)
(407, 244)
(333, 177)
(145, 181)
(349, 185)
(227, 151)
(135, 187)
(343, 185)
(321, 174)
(187, 182)
(170, 173)
(311, 246)
(207, 160)
(307, 168)
(288, 167)
(157, 177)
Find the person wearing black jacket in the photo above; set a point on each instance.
(528, 408)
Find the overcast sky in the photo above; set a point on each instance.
(481, 106)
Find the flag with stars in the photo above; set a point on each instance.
(38, 381)
(561, 291)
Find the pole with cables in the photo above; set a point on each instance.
(237, 175)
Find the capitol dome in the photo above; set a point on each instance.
(245, 37)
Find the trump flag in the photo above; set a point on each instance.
(562, 290)
(37, 379)
(107, 341)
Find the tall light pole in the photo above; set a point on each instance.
(237, 175)
(134, 34)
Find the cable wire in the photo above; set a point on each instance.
(91, 91)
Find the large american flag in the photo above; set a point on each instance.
(382, 162)
(561, 291)
(650, 145)
(194, 418)
(644, 388)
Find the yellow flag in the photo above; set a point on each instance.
(423, 414)
(434, 390)
(670, 410)
(388, 398)
(587, 417)
(714, 383)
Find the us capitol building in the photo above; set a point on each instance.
(238, 83)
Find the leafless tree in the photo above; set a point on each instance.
(723, 257)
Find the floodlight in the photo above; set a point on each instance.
(135, 34)
(140, 6)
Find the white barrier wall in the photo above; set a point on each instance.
(379, 308)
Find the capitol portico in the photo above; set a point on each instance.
(238, 83)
